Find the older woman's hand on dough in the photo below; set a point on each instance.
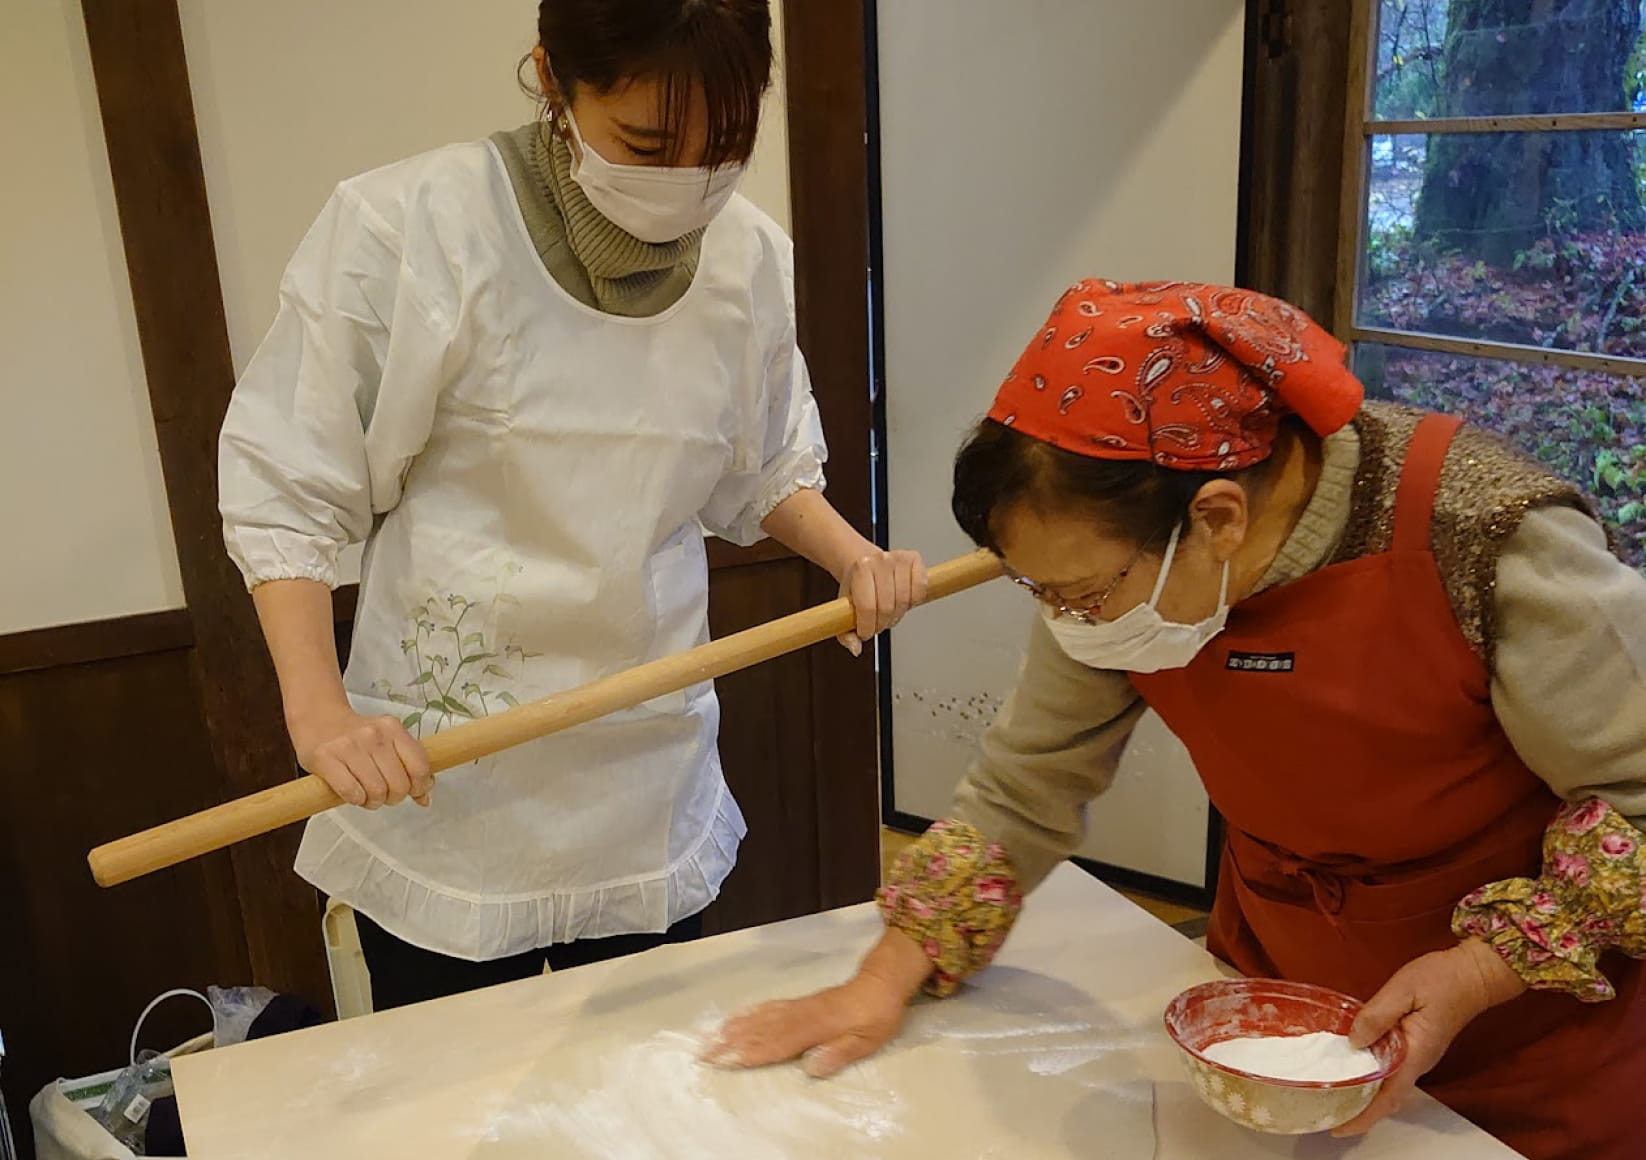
(827, 1031)
(1431, 999)
(831, 1029)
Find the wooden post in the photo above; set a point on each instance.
(829, 184)
(148, 120)
(1292, 151)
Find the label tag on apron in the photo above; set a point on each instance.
(1250, 662)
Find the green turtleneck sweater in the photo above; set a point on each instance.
(593, 260)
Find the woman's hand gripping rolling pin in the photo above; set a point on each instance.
(881, 585)
(367, 761)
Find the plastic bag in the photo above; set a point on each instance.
(66, 1114)
(233, 1010)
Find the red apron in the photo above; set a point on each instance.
(1343, 727)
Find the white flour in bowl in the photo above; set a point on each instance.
(1320, 1057)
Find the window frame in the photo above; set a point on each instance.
(1360, 128)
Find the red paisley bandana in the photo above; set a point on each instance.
(1186, 375)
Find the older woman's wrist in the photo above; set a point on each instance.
(897, 963)
(1499, 981)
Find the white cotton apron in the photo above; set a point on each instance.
(548, 536)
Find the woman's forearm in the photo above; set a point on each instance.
(297, 624)
(807, 523)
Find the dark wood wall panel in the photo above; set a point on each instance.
(95, 640)
(89, 753)
(829, 184)
(766, 748)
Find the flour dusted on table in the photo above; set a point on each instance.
(653, 1098)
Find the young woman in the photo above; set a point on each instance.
(1409, 670)
(529, 372)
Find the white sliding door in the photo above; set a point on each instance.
(1025, 145)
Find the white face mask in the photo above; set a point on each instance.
(655, 203)
(1142, 640)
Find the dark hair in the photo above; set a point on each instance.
(724, 45)
(999, 468)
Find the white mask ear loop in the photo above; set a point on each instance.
(574, 136)
(1165, 566)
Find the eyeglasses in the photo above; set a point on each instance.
(1089, 614)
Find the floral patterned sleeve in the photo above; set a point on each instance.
(1591, 899)
(954, 892)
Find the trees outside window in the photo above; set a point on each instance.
(1497, 183)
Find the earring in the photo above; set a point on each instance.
(557, 123)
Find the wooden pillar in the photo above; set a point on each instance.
(1292, 152)
(147, 111)
(829, 184)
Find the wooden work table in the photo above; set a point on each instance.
(1057, 1051)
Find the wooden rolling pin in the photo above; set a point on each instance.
(292, 801)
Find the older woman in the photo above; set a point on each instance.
(1409, 670)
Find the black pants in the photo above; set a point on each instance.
(402, 974)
